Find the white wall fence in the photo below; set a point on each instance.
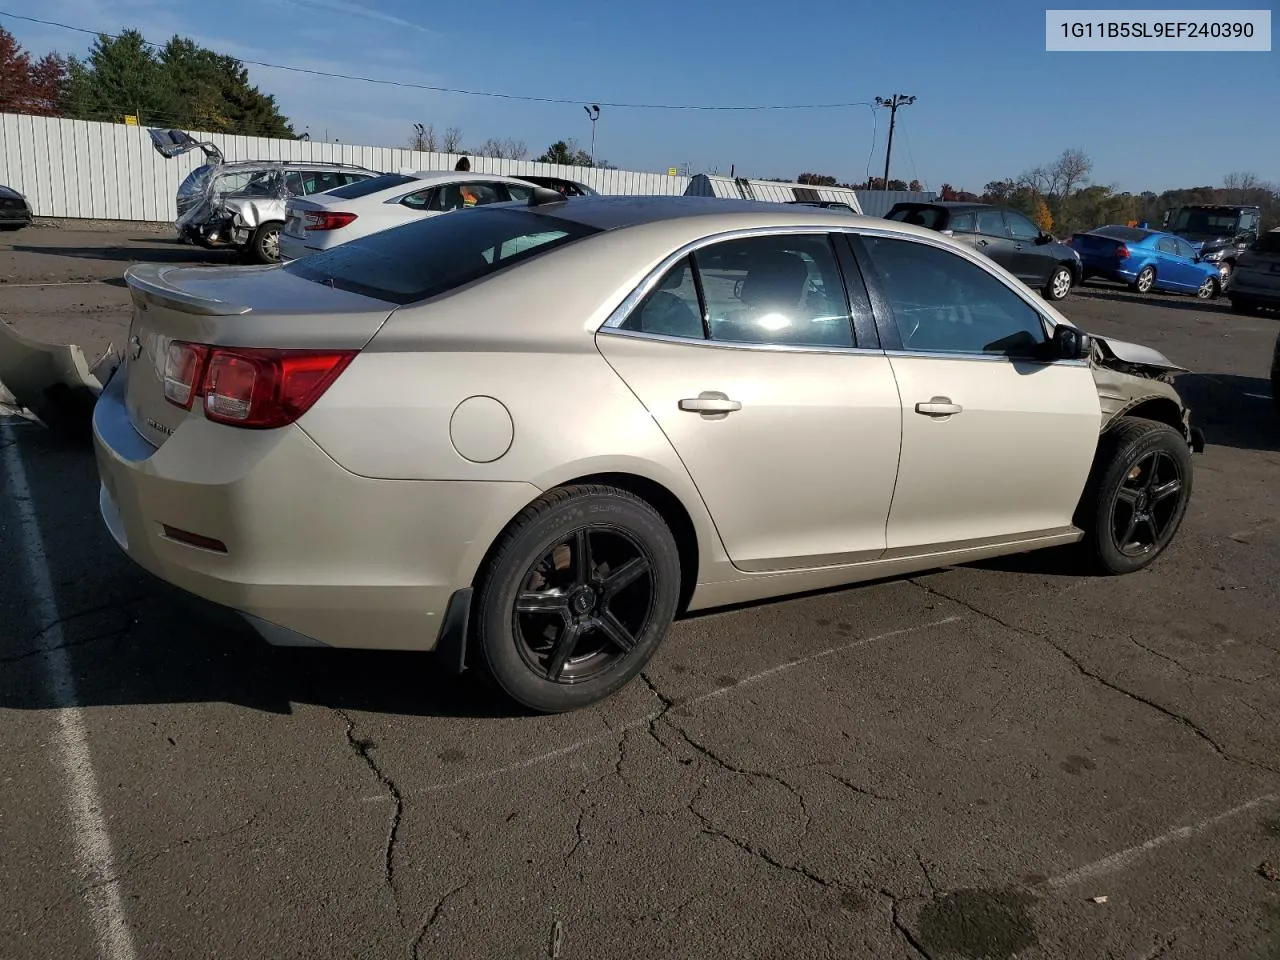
(110, 171)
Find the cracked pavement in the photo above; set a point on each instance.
(951, 765)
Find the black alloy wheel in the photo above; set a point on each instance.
(1146, 504)
(584, 604)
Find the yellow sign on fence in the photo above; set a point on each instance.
(671, 171)
(130, 119)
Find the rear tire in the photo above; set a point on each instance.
(578, 595)
(264, 246)
(1136, 496)
(1145, 281)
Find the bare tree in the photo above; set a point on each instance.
(424, 138)
(505, 149)
(1071, 171)
(1042, 180)
(451, 142)
(1242, 185)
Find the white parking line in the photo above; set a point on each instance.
(1259, 396)
(1117, 860)
(711, 695)
(92, 843)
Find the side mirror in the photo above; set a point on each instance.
(1043, 239)
(1070, 344)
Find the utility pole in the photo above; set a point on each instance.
(593, 112)
(893, 103)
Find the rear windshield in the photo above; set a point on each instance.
(430, 257)
(928, 217)
(362, 188)
(1268, 242)
(1124, 234)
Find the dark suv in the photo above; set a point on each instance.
(1006, 236)
(1218, 232)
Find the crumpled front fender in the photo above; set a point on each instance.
(53, 381)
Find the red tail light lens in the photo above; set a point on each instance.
(328, 221)
(183, 366)
(1122, 252)
(261, 389)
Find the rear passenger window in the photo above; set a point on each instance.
(783, 290)
(1165, 245)
(961, 223)
(671, 309)
(991, 224)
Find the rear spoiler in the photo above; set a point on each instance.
(174, 143)
(146, 282)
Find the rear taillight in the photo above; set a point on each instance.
(1122, 252)
(258, 388)
(183, 366)
(1067, 241)
(324, 220)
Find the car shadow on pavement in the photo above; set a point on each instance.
(132, 639)
(1233, 411)
(1169, 301)
(181, 253)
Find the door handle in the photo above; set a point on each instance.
(983, 243)
(712, 404)
(939, 407)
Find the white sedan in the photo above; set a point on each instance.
(324, 221)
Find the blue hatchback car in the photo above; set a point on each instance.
(1146, 260)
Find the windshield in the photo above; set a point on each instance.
(1268, 243)
(1215, 223)
(430, 257)
(362, 188)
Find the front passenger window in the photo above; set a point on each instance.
(991, 223)
(942, 303)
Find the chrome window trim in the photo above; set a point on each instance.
(611, 325)
(982, 357)
(741, 345)
(632, 300)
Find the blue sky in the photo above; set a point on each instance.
(991, 101)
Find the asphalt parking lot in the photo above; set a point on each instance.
(954, 765)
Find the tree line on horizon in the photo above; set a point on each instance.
(1060, 198)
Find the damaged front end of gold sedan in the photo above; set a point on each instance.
(1137, 381)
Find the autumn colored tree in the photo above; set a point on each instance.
(1041, 215)
(27, 87)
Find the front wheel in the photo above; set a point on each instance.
(264, 246)
(1059, 284)
(580, 591)
(1137, 495)
(1208, 289)
(1145, 280)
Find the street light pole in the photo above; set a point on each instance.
(893, 103)
(593, 112)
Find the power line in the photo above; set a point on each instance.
(472, 93)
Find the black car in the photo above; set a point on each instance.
(568, 188)
(824, 204)
(15, 212)
(1219, 232)
(1006, 236)
(1275, 375)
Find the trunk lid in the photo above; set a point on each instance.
(231, 307)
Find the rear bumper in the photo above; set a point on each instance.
(314, 554)
(292, 248)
